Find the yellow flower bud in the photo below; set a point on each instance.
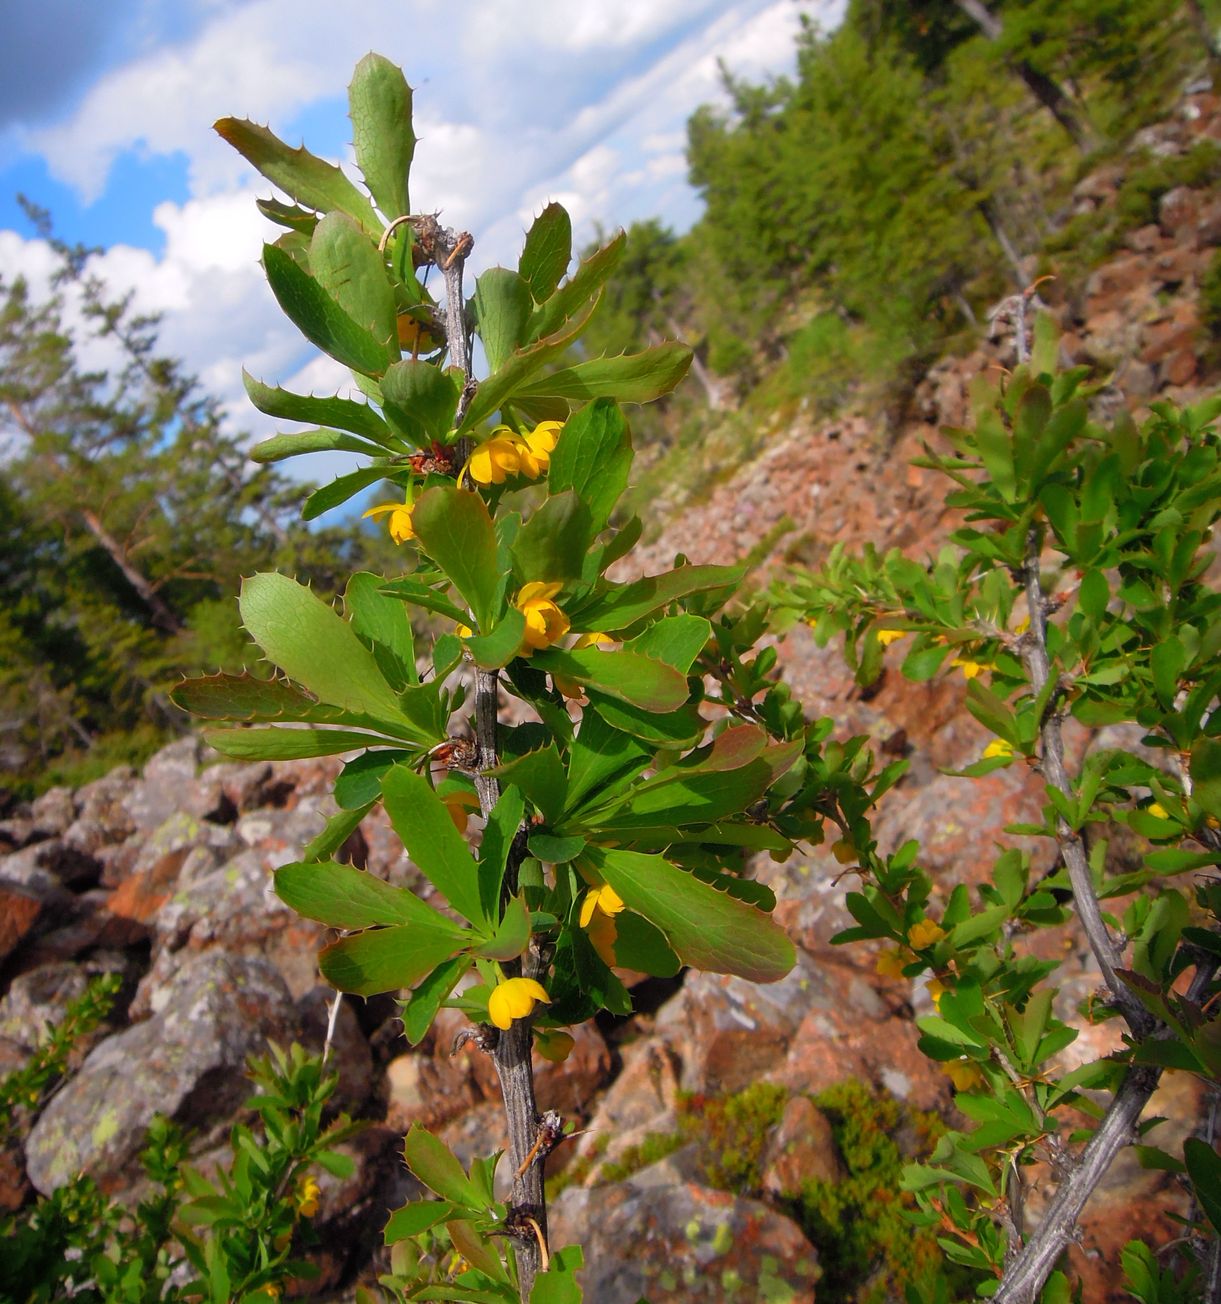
(545, 622)
(401, 528)
(514, 998)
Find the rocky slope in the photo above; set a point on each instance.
(163, 877)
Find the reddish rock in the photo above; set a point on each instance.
(20, 910)
(1178, 211)
(1180, 367)
(801, 1148)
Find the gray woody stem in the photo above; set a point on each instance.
(512, 1053)
(1085, 901)
(1024, 1278)
(1030, 1267)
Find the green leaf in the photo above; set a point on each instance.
(287, 744)
(547, 252)
(456, 531)
(995, 446)
(1206, 775)
(279, 447)
(601, 755)
(417, 1217)
(340, 490)
(386, 959)
(580, 288)
(642, 946)
(923, 663)
(625, 604)
(338, 829)
(552, 544)
(432, 1161)
(593, 458)
(319, 318)
(1166, 662)
(639, 681)
(681, 728)
(376, 616)
(631, 378)
(491, 651)
(540, 776)
(676, 640)
(346, 897)
(512, 934)
(423, 823)
(503, 822)
(306, 639)
(422, 398)
(520, 366)
(360, 784)
(554, 850)
(706, 928)
(308, 179)
(345, 263)
(379, 104)
(1204, 1167)
(421, 1008)
(342, 413)
(243, 697)
(502, 307)
(1094, 594)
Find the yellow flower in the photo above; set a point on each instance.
(924, 934)
(890, 964)
(534, 449)
(963, 1074)
(496, 458)
(463, 631)
(514, 998)
(400, 525)
(545, 622)
(936, 990)
(997, 747)
(970, 669)
(888, 636)
(1022, 626)
(604, 899)
(307, 1197)
(553, 1046)
(603, 933)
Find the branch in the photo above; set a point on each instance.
(448, 250)
(1034, 655)
(1023, 1281)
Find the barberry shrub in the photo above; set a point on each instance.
(1076, 598)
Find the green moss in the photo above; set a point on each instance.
(731, 1132)
(655, 1147)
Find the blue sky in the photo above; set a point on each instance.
(106, 109)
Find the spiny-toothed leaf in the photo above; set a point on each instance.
(360, 784)
(706, 928)
(552, 544)
(424, 826)
(632, 378)
(320, 318)
(511, 936)
(502, 307)
(681, 728)
(676, 640)
(379, 104)
(346, 897)
(520, 366)
(498, 648)
(639, 681)
(340, 489)
(346, 263)
(579, 290)
(600, 755)
(383, 620)
(279, 447)
(547, 252)
(314, 646)
(422, 398)
(502, 826)
(593, 458)
(308, 179)
(436, 1165)
(456, 531)
(416, 1217)
(540, 775)
(287, 744)
(386, 959)
(623, 605)
(337, 830)
(242, 697)
(341, 413)
(421, 1009)
(289, 215)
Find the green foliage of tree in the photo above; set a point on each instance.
(128, 516)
